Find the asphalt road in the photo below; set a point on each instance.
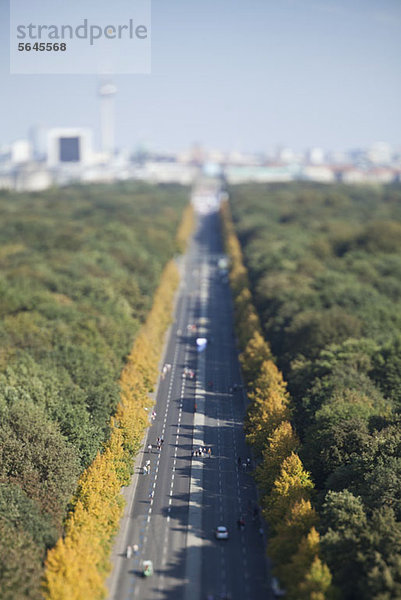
(177, 506)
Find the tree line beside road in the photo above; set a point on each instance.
(324, 265)
(285, 486)
(79, 269)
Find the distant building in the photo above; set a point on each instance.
(315, 156)
(21, 152)
(241, 174)
(322, 173)
(6, 181)
(32, 177)
(166, 172)
(38, 140)
(285, 155)
(350, 174)
(380, 153)
(69, 146)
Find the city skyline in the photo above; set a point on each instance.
(249, 79)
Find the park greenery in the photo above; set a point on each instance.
(285, 486)
(324, 266)
(80, 267)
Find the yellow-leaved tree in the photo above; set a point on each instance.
(269, 406)
(288, 535)
(255, 353)
(76, 568)
(308, 578)
(279, 445)
(292, 485)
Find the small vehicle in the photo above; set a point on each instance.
(147, 568)
(278, 592)
(221, 533)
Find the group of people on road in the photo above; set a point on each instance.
(202, 451)
(235, 387)
(189, 373)
(245, 464)
(131, 550)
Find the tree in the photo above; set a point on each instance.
(288, 535)
(311, 331)
(317, 583)
(293, 485)
(268, 407)
(279, 446)
(343, 522)
(256, 352)
(34, 455)
(387, 370)
(20, 564)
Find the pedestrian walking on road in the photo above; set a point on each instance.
(195, 407)
(209, 452)
(239, 461)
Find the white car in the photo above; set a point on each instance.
(221, 533)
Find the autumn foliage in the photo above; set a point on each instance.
(76, 568)
(285, 486)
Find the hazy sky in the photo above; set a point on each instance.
(236, 74)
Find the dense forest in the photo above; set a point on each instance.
(78, 270)
(325, 269)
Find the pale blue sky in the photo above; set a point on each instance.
(236, 74)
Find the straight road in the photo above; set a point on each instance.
(179, 503)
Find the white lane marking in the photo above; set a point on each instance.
(193, 567)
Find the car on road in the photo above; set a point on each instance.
(147, 568)
(221, 533)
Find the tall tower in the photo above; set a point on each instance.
(107, 91)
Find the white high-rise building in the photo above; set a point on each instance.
(107, 91)
(21, 152)
(315, 156)
(69, 147)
